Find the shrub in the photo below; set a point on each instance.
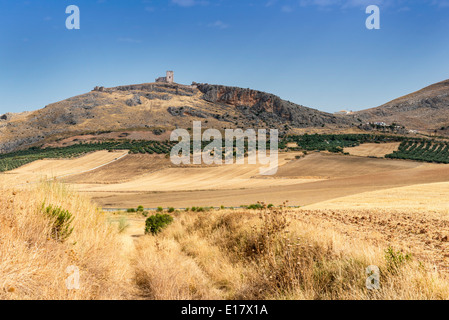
(131, 210)
(154, 224)
(171, 209)
(396, 259)
(61, 220)
(255, 206)
(140, 208)
(160, 209)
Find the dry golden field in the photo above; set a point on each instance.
(128, 168)
(373, 149)
(118, 180)
(278, 253)
(190, 178)
(355, 212)
(59, 168)
(313, 179)
(328, 166)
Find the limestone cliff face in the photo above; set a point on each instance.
(268, 106)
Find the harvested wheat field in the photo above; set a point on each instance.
(125, 169)
(373, 149)
(191, 178)
(118, 180)
(432, 198)
(188, 179)
(322, 165)
(56, 168)
(348, 178)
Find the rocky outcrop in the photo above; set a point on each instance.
(268, 107)
(153, 96)
(13, 145)
(134, 101)
(188, 111)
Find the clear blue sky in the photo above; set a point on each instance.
(313, 52)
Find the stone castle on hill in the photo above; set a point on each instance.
(169, 78)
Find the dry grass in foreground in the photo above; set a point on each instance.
(223, 254)
(272, 254)
(36, 250)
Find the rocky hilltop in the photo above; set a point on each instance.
(163, 107)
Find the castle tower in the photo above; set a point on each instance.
(170, 77)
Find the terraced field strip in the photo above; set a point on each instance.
(373, 149)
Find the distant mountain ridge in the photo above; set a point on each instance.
(426, 109)
(163, 107)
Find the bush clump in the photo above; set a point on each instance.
(396, 259)
(154, 224)
(61, 220)
(255, 206)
